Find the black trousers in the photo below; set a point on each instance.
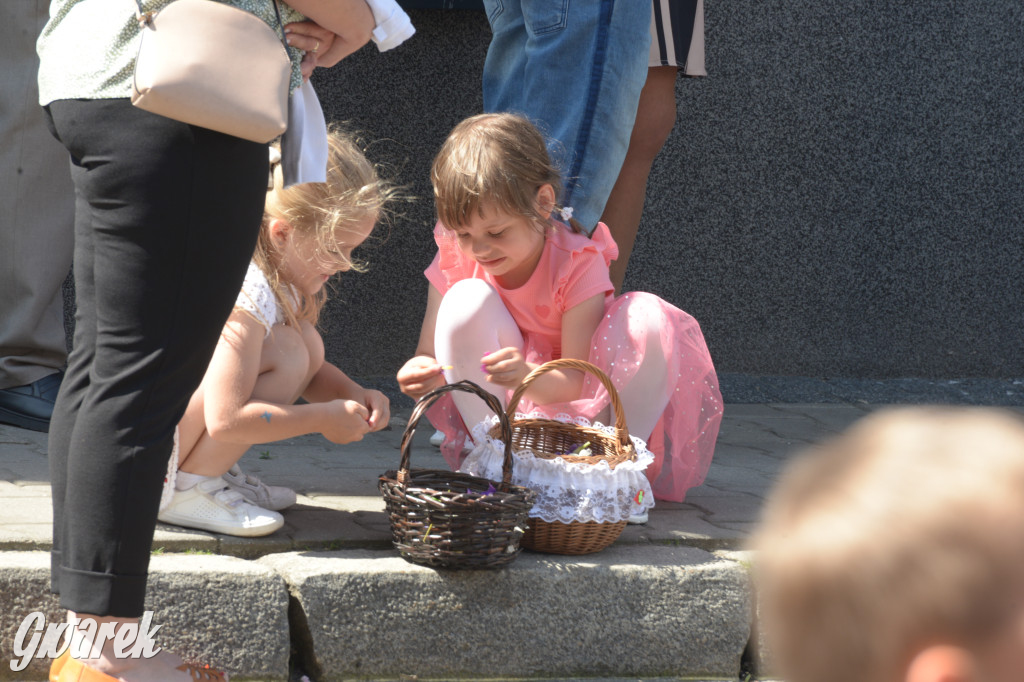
(166, 219)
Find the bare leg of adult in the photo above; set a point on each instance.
(655, 118)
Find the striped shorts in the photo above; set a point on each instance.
(677, 35)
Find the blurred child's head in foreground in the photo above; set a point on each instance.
(895, 553)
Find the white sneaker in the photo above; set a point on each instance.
(255, 491)
(437, 439)
(209, 505)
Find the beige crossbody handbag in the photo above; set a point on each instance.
(215, 66)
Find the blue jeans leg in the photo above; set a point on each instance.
(575, 68)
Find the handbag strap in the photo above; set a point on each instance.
(146, 19)
(280, 26)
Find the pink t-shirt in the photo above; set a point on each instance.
(572, 269)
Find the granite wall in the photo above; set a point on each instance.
(841, 200)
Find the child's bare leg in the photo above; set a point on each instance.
(472, 322)
(290, 359)
(288, 362)
(314, 351)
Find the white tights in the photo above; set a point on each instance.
(646, 393)
(473, 322)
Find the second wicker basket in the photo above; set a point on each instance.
(446, 519)
(550, 439)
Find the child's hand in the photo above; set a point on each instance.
(345, 421)
(380, 409)
(419, 375)
(506, 367)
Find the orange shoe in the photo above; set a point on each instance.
(58, 664)
(74, 670)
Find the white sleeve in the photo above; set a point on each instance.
(393, 25)
(257, 299)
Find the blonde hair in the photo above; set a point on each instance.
(498, 159)
(906, 531)
(353, 191)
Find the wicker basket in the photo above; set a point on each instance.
(450, 520)
(548, 439)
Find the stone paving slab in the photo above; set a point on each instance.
(340, 507)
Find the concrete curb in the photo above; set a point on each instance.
(222, 610)
(643, 611)
(626, 611)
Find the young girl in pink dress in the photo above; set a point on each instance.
(512, 287)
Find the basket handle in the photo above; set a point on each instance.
(621, 432)
(430, 398)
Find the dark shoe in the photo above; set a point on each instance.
(30, 406)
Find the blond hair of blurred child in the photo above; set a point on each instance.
(895, 553)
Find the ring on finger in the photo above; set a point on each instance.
(316, 48)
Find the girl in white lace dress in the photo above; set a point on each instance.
(270, 354)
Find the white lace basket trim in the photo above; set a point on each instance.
(567, 491)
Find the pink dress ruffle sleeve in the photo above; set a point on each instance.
(572, 269)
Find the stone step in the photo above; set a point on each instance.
(630, 611)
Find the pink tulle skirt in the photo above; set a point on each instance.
(682, 401)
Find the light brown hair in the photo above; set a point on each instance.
(497, 159)
(353, 191)
(906, 531)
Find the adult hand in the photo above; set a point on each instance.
(316, 41)
(351, 21)
(419, 375)
(345, 421)
(506, 367)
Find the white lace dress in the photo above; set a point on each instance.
(568, 492)
(257, 299)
